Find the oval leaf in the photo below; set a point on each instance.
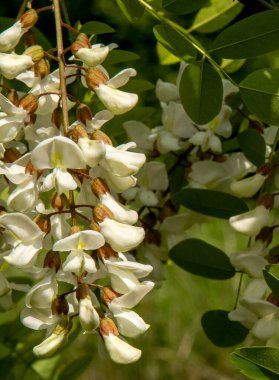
(197, 257)
(132, 9)
(96, 27)
(255, 35)
(201, 92)
(260, 93)
(221, 331)
(73, 370)
(179, 7)
(211, 202)
(257, 363)
(271, 275)
(174, 42)
(253, 146)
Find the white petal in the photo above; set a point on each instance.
(88, 316)
(120, 351)
(93, 151)
(116, 101)
(248, 187)
(250, 223)
(122, 78)
(80, 240)
(21, 226)
(133, 297)
(120, 213)
(12, 64)
(129, 323)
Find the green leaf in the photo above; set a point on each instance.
(255, 35)
(253, 146)
(138, 86)
(271, 275)
(211, 202)
(174, 42)
(198, 257)
(119, 56)
(257, 363)
(73, 370)
(165, 57)
(201, 92)
(260, 93)
(215, 15)
(183, 7)
(221, 331)
(131, 9)
(96, 27)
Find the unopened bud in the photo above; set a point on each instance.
(107, 326)
(265, 170)
(29, 103)
(43, 222)
(153, 237)
(108, 294)
(83, 113)
(13, 97)
(105, 252)
(265, 235)
(60, 306)
(101, 212)
(95, 226)
(99, 187)
(266, 200)
(167, 210)
(29, 168)
(58, 201)
(28, 19)
(42, 68)
(77, 132)
(30, 39)
(99, 135)
(272, 298)
(82, 291)
(94, 77)
(52, 260)
(36, 52)
(57, 117)
(74, 230)
(11, 155)
(82, 41)
(149, 219)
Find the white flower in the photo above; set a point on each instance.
(141, 134)
(95, 55)
(121, 352)
(88, 316)
(120, 213)
(166, 92)
(11, 65)
(93, 150)
(51, 344)
(10, 37)
(249, 186)
(251, 222)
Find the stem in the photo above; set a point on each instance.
(62, 74)
(72, 207)
(43, 9)
(238, 290)
(69, 27)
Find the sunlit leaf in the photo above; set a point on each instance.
(183, 7)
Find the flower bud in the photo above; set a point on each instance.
(265, 235)
(83, 113)
(30, 39)
(106, 251)
(101, 212)
(99, 187)
(265, 170)
(94, 77)
(267, 200)
(88, 316)
(107, 326)
(149, 219)
(167, 210)
(99, 135)
(108, 294)
(82, 291)
(11, 155)
(77, 132)
(36, 52)
(82, 41)
(272, 298)
(58, 201)
(29, 103)
(28, 19)
(60, 306)
(13, 97)
(43, 222)
(74, 230)
(95, 226)
(42, 68)
(52, 260)
(153, 237)
(57, 117)
(29, 168)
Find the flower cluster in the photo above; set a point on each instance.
(61, 221)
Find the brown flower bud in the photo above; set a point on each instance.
(60, 306)
(77, 132)
(153, 237)
(272, 259)
(94, 77)
(11, 155)
(265, 169)
(74, 230)
(30, 39)
(265, 235)
(99, 135)
(167, 210)
(82, 41)
(42, 68)
(258, 125)
(105, 252)
(57, 117)
(52, 260)
(272, 298)
(82, 291)
(83, 113)
(266, 200)
(149, 220)
(107, 326)
(36, 52)
(43, 222)
(29, 103)
(99, 187)
(12, 96)
(29, 19)
(108, 294)
(2, 212)
(95, 226)
(29, 168)
(58, 201)
(101, 212)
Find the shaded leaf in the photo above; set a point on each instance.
(255, 35)
(221, 331)
(260, 93)
(253, 146)
(119, 56)
(257, 363)
(96, 27)
(211, 202)
(132, 9)
(271, 275)
(75, 368)
(183, 7)
(198, 257)
(201, 92)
